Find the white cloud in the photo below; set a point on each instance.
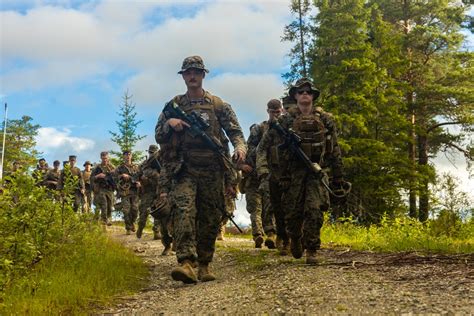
(51, 138)
(112, 36)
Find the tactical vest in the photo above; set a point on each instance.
(195, 152)
(312, 131)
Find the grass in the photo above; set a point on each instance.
(80, 277)
(399, 234)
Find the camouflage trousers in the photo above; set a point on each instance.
(277, 191)
(146, 200)
(104, 201)
(164, 220)
(78, 201)
(259, 208)
(197, 205)
(87, 201)
(307, 199)
(130, 204)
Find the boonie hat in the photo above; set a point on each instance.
(192, 62)
(152, 149)
(303, 82)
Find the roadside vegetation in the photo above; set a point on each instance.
(54, 261)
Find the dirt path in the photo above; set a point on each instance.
(258, 281)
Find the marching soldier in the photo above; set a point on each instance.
(86, 175)
(148, 174)
(76, 174)
(307, 196)
(198, 179)
(103, 186)
(127, 189)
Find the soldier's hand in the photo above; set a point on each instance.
(177, 124)
(163, 195)
(124, 176)
(239, 156)
(100, 176)
(246, 168)
(138, 184)
(230, 191)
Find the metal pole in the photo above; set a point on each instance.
(4, 137)
(303, 59)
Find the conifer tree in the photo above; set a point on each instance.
(127, 137)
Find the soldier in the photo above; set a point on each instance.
(103, 186)
(257, 196)
(127, 188)
(76, 174)
(52, 178)
(148, 174)
(86, 175)
(198, 179)
(307, 198)
(40, 172)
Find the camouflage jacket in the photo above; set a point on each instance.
(97, 184)
(224, 125)
(256, 133)
(268, 148)
(86, 175)
(126, 186)
(51, 179)
(148, 176)
(76, 173)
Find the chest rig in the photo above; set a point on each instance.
(313, 136)
(195, 152)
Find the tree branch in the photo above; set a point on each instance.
(441, 124)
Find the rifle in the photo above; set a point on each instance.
(109, 179)
(292, 141)
(197, 128)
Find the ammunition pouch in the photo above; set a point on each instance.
(160, 208)
(314, 151)
(201, 158)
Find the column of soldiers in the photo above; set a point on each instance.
(290, 164)
(285, 167)
(99, 184)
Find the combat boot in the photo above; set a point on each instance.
(285, 248)
(184, 273)
(156, 235)
(139, 231)
(204, 275)
(258, 241)
(166, 251)
(296, 248)
(270, 241)
(220, 235)
(132, 228)
(311, 257)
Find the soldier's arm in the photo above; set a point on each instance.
(163, 131)
(230, 124)
(262, 150)
(333, 157)
(252, 142)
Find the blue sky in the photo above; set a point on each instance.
(68, 63)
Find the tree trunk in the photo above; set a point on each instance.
(424, 189)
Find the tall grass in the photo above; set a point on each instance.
(81, 276)
(399, 234)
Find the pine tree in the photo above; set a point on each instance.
(127, 137)
(20, 143)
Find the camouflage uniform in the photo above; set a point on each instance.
(258, 202)
(307, 198)
(197, 180)
(128, 194)
(104, 198)
(39, 174)
(51, 181)
(86, 175)
(149, 177)
(76, 173)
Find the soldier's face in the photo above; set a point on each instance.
(273, 114)
(72, 162)
(104, 159)
(127, 158)
(193, 78)
(42, 163)
(87, 167)
(304, 99)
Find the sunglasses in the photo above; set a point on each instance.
(304, 91)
